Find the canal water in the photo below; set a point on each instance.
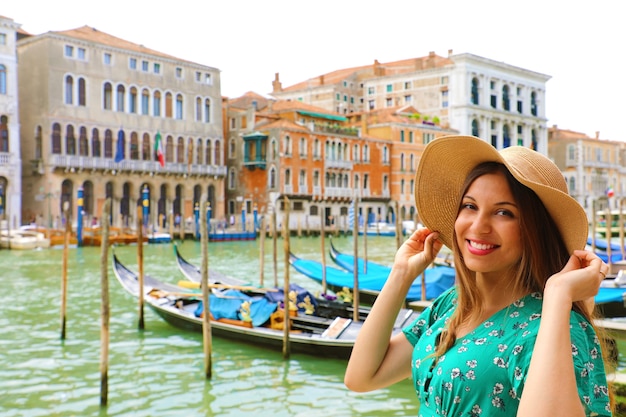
(159, 371)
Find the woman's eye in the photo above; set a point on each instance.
(505, 213)
(470, 206)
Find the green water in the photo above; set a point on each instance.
(159, 371)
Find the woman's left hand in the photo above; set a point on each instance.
(580, 278)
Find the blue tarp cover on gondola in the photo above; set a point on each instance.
(228, 305)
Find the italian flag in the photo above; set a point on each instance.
(158, 149)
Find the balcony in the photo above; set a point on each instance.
(337, 164)
(82, 163)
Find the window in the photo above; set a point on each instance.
(145, 102)
(81, 54)
(371, 90)
(145, 66)
(371, 104)
(208, 79)
(179, 72)
(69, 51)
(157, 68)
(474, 95)
(82, 92)
(132, 100)
(408, 99)
(179, 107)
(168, 104)
(444, 98)
(198, 76)
(407, 85)
(156, 104)
(120, 97)
(389, 102)
(56, 138)
(402, 136)
(389, 88)
(3, 38)
(95, 143)
(3, 79)
(533, 103)
(107, 96)
(107, 58)
(506, 103)
(207, 111)
(69, 90)
(132, 63)
(83, 144)
(70, 141)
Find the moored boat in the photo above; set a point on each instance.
(309, 333)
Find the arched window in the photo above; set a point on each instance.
(107, 96)
(83, 143)
(69, 89)
(232, 178)
(199, 152)
(168, 104)
(169, 149)
(190, 151)
(70, 141)
(180, 150)
(145, 102)
(232, 151)
(313, 210)
(533, 103)
(4, 134)
(207, 111)
(132, 100)
(3, 79)
(145, 147)
(475, 130)
(156, 103)
(95, 143)
(82, 92)
(108, 143)
(218, 153)
(506, 136)
(475, 95)
(209, 149)
(120, 97)
(56, 138)
(179, 107)
(134, 146)
(506, 101)
(272, 178)
(198, 109)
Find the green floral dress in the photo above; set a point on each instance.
(483, 374)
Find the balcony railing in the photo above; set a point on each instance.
(334, 163)
(91, 163)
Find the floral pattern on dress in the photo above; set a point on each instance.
(453, 385)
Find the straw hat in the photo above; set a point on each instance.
(447, 161)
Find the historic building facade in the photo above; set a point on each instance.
(594, 169)
(10, 159)
(98, 112)
(322, 161)
(500, 103)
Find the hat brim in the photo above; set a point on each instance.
(446, 163)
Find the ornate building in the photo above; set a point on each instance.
(10, 160)
(97, 111)
(498, 102)
(322, 161)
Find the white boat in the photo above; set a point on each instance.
(23, 239)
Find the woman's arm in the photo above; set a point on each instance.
(550, 388)
(378, 360)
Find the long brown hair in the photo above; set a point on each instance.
(543, 254)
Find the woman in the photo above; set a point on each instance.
(514, 336)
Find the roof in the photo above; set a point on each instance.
(323, 115)
(91, 34)
(374, 70)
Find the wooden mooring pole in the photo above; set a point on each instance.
(104, 308)
(204, 272)
(66, 244)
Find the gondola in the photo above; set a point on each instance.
(438, 279)
(311, 334)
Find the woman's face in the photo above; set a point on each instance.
(487, 226)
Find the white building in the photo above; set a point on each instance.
(10, 162)
(500, 103)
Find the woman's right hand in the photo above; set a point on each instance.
(417, 253)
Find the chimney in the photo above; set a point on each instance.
(322, 79)
(449, 53)
(276, 84)
(597, 134)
